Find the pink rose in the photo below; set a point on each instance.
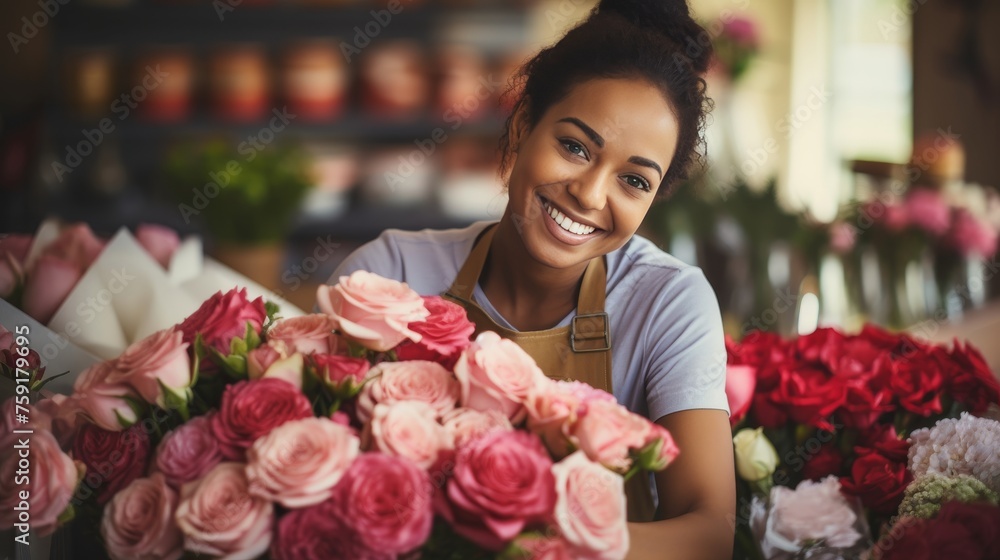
(552, 408)
(659, 449)
(740, 384)
(50, 486)
(16, 245)
(11, 274)
(444, 334)
(112, 406)
(275, 360)
(306, 334)
(466, 424)
(222, 317)
(843, 237)
(371, 310)
(251, 409)
(113, 459)
(342, 374)
(299, 462)
(971, 236)
(928, 211)
(188, 452)
(139, 521)
(6, 339)
(159, 361)
(392, 382)
(47, 286)
(496, 373)
(220, 517)
(320, 532)
(590, 508)
(502, 482)
(814, 511)
(77, 245)
(408, 429)
(895, 218)
(607, 431)
(372, 483)
(160, 242)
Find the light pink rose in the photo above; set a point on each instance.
(741, 380)
(496, 373)
(110, 405)
(299, 462)
(275, 359)
(372, 311)
(409, 429)
(928, 210)
(47, 286)
(607, 431)
(466, 424)
(387, 500)
(501, 483)
(659, 449)
(188, 452)
(220, 517)
(160, 242)
(306, 334)
(138, 522)
(16, 245)
(50, 486)
(590, 508)
(552, 408)
(156, 362)
(813, 511)
(391, 382)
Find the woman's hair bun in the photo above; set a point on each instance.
(671, 18)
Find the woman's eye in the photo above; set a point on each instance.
(574, 147)
(637, 182)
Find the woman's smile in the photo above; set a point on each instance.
(566, 227)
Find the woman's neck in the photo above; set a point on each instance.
(529, 294)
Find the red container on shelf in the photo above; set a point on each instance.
(394, 81)
(315, 80)
(239, 83)
(161, 84)
(89, 77)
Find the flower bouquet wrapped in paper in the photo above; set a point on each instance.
(376, 429)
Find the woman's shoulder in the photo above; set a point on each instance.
(641, 264)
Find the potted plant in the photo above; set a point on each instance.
(244, 200)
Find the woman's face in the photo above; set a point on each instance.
(584, 177)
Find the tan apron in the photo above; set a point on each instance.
(580, 352)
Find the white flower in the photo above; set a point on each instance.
(966, 445)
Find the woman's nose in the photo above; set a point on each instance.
(590, 190)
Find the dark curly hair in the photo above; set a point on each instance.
(653, 40)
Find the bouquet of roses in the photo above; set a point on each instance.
(376, 429)
(830, 415)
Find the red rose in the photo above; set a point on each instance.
(827, 461)
(885, 441)
(818, 345)
(444, 334)
(113, 459)
(766, 411)
(809, 395)
(970, 380)
(759, 348)
(223, 317)
(251, 409)
(900, 345)
(878, 481)
(917, 381)
(865, 402)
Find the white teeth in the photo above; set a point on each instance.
(567, 224)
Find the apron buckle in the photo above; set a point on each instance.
(589, 334)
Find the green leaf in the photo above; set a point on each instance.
(39, 384)
(251, 339)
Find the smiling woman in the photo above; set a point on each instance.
(606, 120)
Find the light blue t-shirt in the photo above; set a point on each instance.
(668, 348)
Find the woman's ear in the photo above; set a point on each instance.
(518, 126)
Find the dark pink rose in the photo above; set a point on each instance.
(113, 459)
(387, 500)
(501, 482)
(928, 210)
(371, 310)
(342, 374)
(160, 242)
(444, 334)
(971, 236)
(740, 384)
(251, 409)
(320, 532)
(51, 483)
(188, 452)
(223, 317)
(220, 517)
(139, 521)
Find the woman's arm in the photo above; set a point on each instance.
(697, 493)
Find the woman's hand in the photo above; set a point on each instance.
(697, 493)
